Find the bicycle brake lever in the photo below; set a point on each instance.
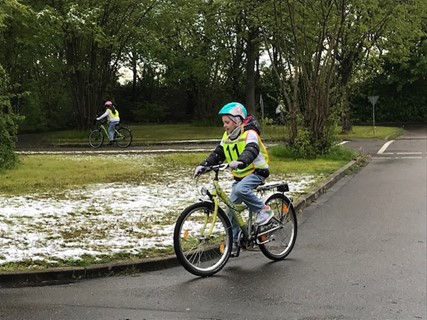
(223, 166)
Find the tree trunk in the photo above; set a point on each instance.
(252, 54)
(346, 123)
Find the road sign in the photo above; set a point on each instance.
(373, 100)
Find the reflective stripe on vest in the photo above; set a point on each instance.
(234, 148)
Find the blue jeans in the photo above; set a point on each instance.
(241, 191)
(111, 126)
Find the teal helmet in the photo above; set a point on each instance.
(234, 109)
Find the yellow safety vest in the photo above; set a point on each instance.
(112, 116)
(234, 148)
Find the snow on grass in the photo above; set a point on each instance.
(101, 219)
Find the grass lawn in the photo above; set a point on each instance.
(50, 173)
(151, 133)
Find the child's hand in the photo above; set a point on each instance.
(235, 164)
(199, 170)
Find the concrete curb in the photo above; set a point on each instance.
(73, 274)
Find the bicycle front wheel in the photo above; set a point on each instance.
(278, 238)
(123, 137)
(201, 244)
(96, 138)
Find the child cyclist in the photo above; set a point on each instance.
(241, 146)
(112, 114)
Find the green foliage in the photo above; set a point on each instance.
(150, 112)
(302, 145)
(189, 57)
(8, 125)
(400, 87)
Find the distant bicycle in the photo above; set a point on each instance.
(122, 136)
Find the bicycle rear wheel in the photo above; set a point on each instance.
(277, 243)
(96, 138)
(201, 252)
(123, 137)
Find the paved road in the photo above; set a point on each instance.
(410, 145)
(360, 254)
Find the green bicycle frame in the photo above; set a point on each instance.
(216, 194)
(105, 131)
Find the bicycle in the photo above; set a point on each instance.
(122, 136)
(203, 232)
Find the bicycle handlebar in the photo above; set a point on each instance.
(216, 168)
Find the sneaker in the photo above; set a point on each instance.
(264, 216)
(235, 250)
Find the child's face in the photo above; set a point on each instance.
(228, 124)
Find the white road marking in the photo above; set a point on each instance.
(396, 157)
(409, 153)
(385, 146)
(401, 153)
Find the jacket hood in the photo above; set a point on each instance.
(250, 123)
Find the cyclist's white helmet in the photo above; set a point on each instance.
(234, 109)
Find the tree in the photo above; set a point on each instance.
(303, 36)
(372, 27)
(95, 35)
(400, 85)
(8, 120)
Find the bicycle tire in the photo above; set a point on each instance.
(200, 255)
(276, 245)
(96, 138)
(123, 137)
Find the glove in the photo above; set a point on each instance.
(199, 170)
(235, 164)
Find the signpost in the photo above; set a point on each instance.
(373, 100)
(261, 103)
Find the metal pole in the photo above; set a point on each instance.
(373, 100)
(373, 116)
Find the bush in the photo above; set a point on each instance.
(8, 125)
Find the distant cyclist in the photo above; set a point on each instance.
(242, 147)
(112, 115)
